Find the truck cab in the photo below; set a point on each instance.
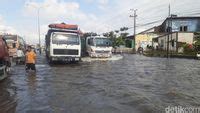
(63, 44)
(99, 47)
(4, 59)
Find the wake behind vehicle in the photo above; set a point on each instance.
(63, 43)
(4, 59)
(99, 47)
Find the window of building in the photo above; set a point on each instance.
(169, 29)
(183, 28)
(173, 43)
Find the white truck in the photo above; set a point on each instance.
(63, 43)
(99, 47)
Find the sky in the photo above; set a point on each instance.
(20, 16)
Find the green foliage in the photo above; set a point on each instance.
(116, 31)
(188, 48)
(124, 35)
(128, 43)
(89, 34)
(124, 29)
(119, 41)
(197, 41)
(116, 40)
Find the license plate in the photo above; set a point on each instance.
(76, 58)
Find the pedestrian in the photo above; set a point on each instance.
(30, 59)
(20, 56)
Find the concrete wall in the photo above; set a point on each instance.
(162, 42)
(186, 37)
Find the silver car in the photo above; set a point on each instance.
(198, 55)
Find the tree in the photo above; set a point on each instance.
(124, 29)
(120, 41)
(197, 41)
(116, 31)
(112, 37)
(124, 35)
(89, 34)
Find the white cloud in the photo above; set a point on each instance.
(112, 15)
(103, 2)
(6, 28)
(1, 20)
(59, 11)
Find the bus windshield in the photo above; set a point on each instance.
(65, 39)
(102, 42)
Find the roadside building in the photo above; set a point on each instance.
(180, 24)
(175, 41)
(144, 39)
(177, 30)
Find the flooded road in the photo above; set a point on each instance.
(131, 84)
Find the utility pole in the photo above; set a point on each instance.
(168, 30)
(38, 14)
(38, 21)
(134, 16)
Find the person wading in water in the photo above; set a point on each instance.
(30, 59)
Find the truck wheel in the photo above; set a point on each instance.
(50, 61)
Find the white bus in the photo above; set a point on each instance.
(99, 47)
(63, 44)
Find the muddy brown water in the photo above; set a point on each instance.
(133, 84)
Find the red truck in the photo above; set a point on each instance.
(4, 59)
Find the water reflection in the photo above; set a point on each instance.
(8, 100)
(132, 84)
(32, 82)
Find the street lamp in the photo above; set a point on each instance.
(38, 21)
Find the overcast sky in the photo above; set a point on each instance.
(20, 16)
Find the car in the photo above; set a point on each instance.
(198, 55)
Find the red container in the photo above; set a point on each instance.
(3, 49)
(64, 26)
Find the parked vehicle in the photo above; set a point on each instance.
(99, 47)
(63, 43)
(4, 59)
(198, 55)
(17, 47)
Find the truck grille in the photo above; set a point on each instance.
(65, 52)
(100, 51)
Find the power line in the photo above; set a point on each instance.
(150, 18)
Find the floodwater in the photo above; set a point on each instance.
(128, 84)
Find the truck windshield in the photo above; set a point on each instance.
(65, 39)
(102, 42)
(10, 37)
